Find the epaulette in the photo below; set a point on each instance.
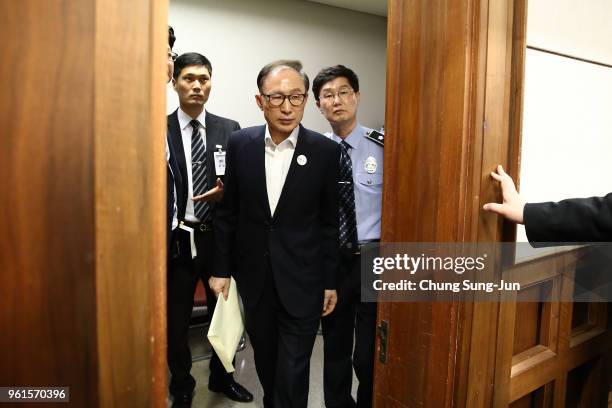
(376, 137)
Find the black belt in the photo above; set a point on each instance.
(199, 226)
(350, 249)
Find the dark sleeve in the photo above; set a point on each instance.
(227, 216)
(572, 220)
(329, 214)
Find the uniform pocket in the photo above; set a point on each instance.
(367, 179)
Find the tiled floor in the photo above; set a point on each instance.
(245, 375)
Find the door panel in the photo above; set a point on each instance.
(82, 206)
(454, 111)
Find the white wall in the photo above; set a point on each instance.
(578, 28)
(241, 36)
(567, 118)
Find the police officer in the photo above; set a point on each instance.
(336, 91)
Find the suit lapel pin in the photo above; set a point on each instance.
(302, 160)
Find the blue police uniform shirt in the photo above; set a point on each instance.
(367, 161)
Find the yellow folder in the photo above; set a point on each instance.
(226, 327)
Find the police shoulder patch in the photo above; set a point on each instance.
(376, 137)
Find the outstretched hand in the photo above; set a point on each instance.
(513, 205)
(214, 194)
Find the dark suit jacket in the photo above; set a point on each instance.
(572, 220)
(299, 244)
(218, 130)
(174, 181)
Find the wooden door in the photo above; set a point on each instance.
(82, 206)
(454, 104)
(551, 354)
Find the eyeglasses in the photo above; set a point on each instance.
(172, 56)
(277, 100)
(343, 94)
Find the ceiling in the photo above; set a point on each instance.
(377, 7)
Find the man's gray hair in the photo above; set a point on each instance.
(292, 64)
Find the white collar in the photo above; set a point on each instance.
(185, 120)
(293, 137)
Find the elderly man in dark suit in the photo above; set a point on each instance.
(277, 233)
(198, 139)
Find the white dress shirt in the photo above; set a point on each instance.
(186, 131)
(278, 160)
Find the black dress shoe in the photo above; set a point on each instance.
(182, 401)
(232, 390)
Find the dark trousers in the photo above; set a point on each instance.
(183, 275)
(350, 316)
(282, 347)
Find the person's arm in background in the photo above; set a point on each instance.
(225, 226)
(571, 220)
(331, 252)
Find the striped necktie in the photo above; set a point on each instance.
(347, 219)
(198, 169)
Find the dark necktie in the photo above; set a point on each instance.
(198, 172)
(347, 220)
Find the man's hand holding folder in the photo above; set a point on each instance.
(227, 325)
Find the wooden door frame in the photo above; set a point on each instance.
(460, 125)
(83, 199)
(130, 129)
(461, 354)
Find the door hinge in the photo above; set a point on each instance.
(382, 331)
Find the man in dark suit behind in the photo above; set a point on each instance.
(171, 164)
(277, 233)
(198, 139)
(572, 220)
(174, 179)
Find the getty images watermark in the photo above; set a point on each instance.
(417, 272)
